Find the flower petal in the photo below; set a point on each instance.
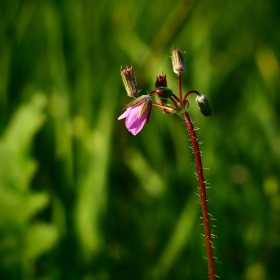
(140, 124)
(124, 115)
(137, 115)
(132, 116)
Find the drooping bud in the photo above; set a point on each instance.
(203, 105)
(164, 92)
(161, 81)
(129, 82)
(178, 62)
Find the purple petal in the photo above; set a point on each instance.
(139, 127)
(124, 115)
(132, 116)
(133, 122)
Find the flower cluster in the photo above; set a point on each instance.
(138, 112)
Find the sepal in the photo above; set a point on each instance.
(164, 92)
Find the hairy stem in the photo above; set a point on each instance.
(203, 198)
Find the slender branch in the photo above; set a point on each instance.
(160, 106)
(152, 92)
(189, 92)
(175, 101)
(176, 98)
(180, 86)
(165, 109)
(203, 198)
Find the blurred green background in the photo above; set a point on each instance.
(80, 197)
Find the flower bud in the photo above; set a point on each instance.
(161, 81)
(129, 82)
(177, 61)
(164, 92)
(203, 105)
(159, 100)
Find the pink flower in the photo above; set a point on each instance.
(137, 114)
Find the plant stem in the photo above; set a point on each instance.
(203, 198)
(188, 93)
(180, 86)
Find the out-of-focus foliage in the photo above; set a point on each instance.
(23, 238)
(80, 197)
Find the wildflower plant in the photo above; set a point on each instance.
(138, 113)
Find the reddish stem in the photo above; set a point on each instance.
(189, 92)
(203, 197)
(180, 86)
(162, 106)
(175, 101)
(176, 98)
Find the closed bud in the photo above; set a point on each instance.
(164, 92)
(203, 105)
(129, 82)
(178, 62)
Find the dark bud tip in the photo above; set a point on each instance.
(161, 81)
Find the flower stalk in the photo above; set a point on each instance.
(203, 197)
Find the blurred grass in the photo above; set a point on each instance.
(80, 197)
